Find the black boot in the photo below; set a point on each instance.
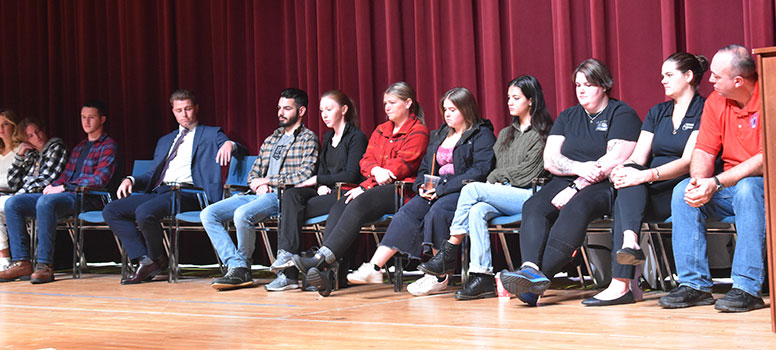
(479, 286)
(443, 263)
(304, 264)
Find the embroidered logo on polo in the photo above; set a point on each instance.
(753, 120)
(687, 126)
(602, 125)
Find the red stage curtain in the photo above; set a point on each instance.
(237, 55)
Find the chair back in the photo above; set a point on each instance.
(140, 167)
(239, 168)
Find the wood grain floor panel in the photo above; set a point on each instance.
(96, 312)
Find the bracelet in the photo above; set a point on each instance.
(655, 174)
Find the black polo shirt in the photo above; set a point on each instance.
(585, 140)
(668, 144)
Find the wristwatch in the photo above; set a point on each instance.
(573, 186)
(720, 186)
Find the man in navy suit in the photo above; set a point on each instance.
(192, 154)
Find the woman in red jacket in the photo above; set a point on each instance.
(394, 153)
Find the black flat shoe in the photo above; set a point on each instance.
(626, 298)
(630, 256)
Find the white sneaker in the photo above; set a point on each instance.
(427, 284)
(366, 274)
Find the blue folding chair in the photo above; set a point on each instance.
(93, 220)
(237, 179)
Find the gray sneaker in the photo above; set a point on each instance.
(282, 262)
(281, 283)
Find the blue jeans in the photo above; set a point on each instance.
(245, 210)
(746, 202)
(479, 202)
(46, 209)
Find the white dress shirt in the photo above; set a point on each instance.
(180, 166)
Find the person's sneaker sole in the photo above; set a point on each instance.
(679, 305)
(290, 286)
(20, 278)
(722, 307)
(322, 283)
(527, 298)
(491, 294)
(227, 286)
(517, 284)
(277, 268)
(366, 281)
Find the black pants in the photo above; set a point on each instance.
(144, 211)
(345, 220)
(421, 223)
(300, 204)
(634, 205)
(549, 236)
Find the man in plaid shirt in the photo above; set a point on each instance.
(288, 156)
(92, 163)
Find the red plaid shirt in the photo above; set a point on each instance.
(97, 169)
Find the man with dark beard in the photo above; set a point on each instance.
(288, 156)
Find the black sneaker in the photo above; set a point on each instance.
(526, 279)
(684, 296)
(235, 277)
(736, 300)
(479, 286)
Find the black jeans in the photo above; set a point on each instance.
(345, 220)
(421, 223)
(298, 205)
(634, 205)
(549, 236)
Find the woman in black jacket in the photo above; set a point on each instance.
(343, 147)
(461, 150)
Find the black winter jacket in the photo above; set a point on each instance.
(473, 157)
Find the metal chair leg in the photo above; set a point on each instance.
(588, 266)
(398, 279)
(665, 260)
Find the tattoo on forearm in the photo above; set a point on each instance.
(563, 164)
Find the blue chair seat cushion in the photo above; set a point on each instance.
(190, 217)
(94, 217)
(506, 219)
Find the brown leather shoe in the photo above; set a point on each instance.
(43, 274)
(146, 272)
(20, 270)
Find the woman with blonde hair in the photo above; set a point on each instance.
(9, 144)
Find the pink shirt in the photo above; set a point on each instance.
(444, 158)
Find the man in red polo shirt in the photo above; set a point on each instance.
(730, 123)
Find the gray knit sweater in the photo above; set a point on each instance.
(521, 161)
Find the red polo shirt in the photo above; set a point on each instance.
(734, 130)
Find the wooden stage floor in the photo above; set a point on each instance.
(96, 312)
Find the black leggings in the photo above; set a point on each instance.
(345, 220)
(298, 205)
(634, 205)
(549, 236)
